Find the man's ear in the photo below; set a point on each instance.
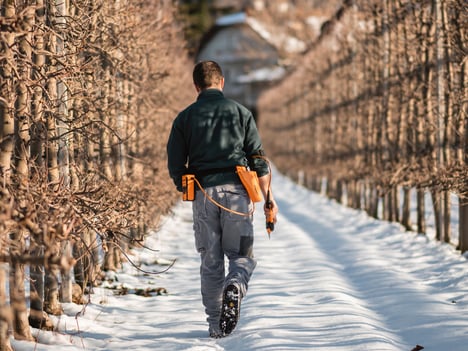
(197, 88)
(222, 83)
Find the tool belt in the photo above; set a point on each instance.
(188, 193)
(215, 171)
(248, 178)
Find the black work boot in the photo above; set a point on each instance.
(230, 310)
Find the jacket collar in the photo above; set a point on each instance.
(208, 93)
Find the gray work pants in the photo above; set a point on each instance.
(220, 233)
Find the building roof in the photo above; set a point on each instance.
(262, 75)
(281, 41)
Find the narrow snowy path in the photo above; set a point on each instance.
(330, 278)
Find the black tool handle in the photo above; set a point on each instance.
(270, 221)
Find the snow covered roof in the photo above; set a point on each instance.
(278, 39)
(234, 18)
(262, 75)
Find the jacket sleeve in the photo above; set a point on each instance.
(253, 147)
(176, 154)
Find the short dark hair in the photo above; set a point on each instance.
(206, 74)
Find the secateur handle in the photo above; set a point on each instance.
(270, 220)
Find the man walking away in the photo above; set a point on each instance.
(209, 139)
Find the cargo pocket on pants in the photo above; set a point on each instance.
(246, 246)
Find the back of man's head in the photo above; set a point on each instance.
(207, 74)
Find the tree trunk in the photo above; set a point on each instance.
(386, 113)
(7, 92)
(461, 136)
(446, 216)
(449, 96)
(406, 211)
(23, 107)
(396, 203)
(51, 292)
(37, 317)
(463, 225)
(119, 136)
(358, 194)
(21, 158)
(373, 202)
(339, 191)
(387, 207)
(17, 292)
(80, 255)
(6, 150)
(36, 286)
(109, 257)
(51, 284)
(438, 213)
(440, 82)
(38, 128)
(5, 313)
(66, 275)
(105, 142)
(351, 193)
(87, 270)
(421, 209)
(443, 207)
(463, 200)
(64, 142)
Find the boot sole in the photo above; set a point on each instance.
(231, 309)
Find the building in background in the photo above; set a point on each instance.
(258, 41)
(251, 56)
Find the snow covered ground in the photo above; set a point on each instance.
(330, 278)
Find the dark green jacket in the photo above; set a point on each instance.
(210, 137)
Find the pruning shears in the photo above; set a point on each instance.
(270, 220)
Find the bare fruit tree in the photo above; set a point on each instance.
(87, 93)
(376, 110)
